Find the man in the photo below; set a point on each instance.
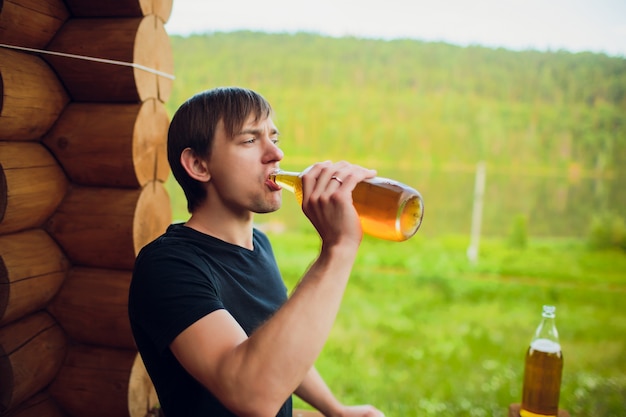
(208, 307)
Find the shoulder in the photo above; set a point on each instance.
(170, 260)
(176, 241)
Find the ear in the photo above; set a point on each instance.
(196, 167)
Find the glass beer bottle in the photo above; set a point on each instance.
(543, 370)
(387, 209)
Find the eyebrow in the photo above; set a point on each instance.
(257, 132)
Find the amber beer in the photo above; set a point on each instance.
(543, 370)
(387, 209)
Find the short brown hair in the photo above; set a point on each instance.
(194, 123)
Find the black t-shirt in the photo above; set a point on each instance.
(181, 277)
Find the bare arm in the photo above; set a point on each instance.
(314, 391)
(254, 376)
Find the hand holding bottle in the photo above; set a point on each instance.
(387, 209)
(327, 199)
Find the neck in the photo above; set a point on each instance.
(237, 231)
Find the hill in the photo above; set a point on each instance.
(419, 104)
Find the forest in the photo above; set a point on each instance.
(427, 104)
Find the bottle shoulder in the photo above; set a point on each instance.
(545, 345)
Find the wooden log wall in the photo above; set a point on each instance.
(83, 132)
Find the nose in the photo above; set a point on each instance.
(273, 152)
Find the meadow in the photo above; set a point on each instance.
(422, 330)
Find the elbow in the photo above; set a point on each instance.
(245, 398)
(249, 392)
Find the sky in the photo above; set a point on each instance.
(572, 25)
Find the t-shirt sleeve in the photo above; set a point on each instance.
(171, 289)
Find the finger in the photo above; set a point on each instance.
(351, 175)
(330, 177)
(336, 178)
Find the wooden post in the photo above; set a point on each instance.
(31, 353)
(142, 42)
(32, 269)
(106, 227)
(112, 145)
(92, 307)
(32, 96)
(35, 186)
(477, 212)
(30, 23)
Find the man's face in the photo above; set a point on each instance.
(240, 167)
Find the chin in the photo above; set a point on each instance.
(268, 207)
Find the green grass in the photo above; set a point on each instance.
(423, 332)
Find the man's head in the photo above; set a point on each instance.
(194, 124)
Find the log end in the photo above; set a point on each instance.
(162, 9)
(152, 215)
(142, 397)
(150, 143)
(153, 52)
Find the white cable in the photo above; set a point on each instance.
(89, 58)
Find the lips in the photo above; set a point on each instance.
(272, 185)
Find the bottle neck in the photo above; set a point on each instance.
(288, 180)
(547, 329)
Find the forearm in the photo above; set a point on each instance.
(273, 362)
(314, 391)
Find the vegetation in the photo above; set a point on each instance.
(422, 104)
(422, 331)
